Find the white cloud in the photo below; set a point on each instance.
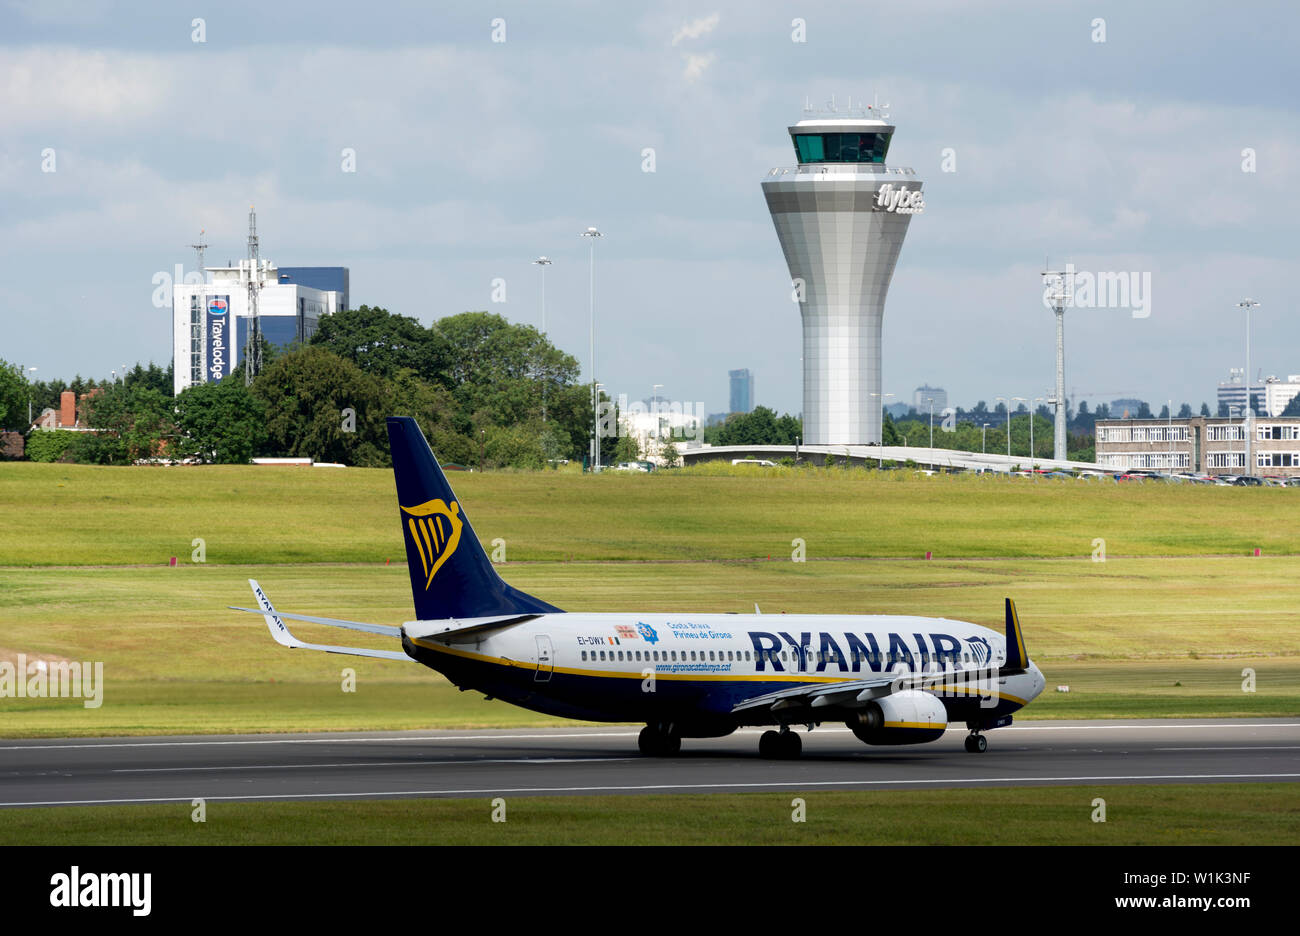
(697, 65)
(697, 28)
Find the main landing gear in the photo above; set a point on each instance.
(659, 741)
(780, 745)
(976, 743)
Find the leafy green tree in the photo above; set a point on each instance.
(153, 377)
(434, 408)
(668, 452)
(1205, 409)
(14, 395)
(759, 427)
(517, 446)
(380, 342)
(132, 422)
(51, 445)
(503, 370)
(306, 392)
(889, 432)
(220, 422)
(1292, 408)
(627, 449)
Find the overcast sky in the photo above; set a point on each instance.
(473, 157)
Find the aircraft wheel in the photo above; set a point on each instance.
(791, 745)
(654, 743)
(769, 745)
(976, 744)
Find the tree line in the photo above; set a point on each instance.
(484, 391)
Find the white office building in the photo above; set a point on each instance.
(210, 320)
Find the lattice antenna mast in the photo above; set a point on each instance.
(198, 249)
(253, 346)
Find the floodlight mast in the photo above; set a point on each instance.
(1058, 290)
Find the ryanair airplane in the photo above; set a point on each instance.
(892, 679)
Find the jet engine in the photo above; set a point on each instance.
(907, 717)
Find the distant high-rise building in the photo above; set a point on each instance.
(1125, 408)
(924, 394)
(1279, 393)
(1232, 394)
(742, 390)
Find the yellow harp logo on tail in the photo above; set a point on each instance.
(435, 528)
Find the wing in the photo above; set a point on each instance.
(285, 637)
(853, 693)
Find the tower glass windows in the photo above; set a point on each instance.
(841, 147)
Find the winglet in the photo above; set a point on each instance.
(284, 637)
(273, 622)
(1017, 658)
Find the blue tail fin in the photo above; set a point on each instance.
(1017, 658)
(451, 575)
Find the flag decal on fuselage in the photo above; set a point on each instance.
(435, 527)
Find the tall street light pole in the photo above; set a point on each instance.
(1170, 410)
(1248, 305)
(592, 234)
(542, 263)
(31, 370)
(1008, 426)
(654, 409)
(882, 413)
(984, 439)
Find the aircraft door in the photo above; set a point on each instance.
(545, 659)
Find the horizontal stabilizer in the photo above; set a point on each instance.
(453, 628)
(384, 629)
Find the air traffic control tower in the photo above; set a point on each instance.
(841, 216)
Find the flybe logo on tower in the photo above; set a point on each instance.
(899, 200)
(434, 528)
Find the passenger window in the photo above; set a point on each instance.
(584, 656)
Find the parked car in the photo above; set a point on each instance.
(1249, 481)
(754, 461)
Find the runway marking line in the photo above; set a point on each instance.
(1019, 781)
(591, 734)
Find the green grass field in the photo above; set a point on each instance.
(1155, 630)
(1205, 814)
(83, 515)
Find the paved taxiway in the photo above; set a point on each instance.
(536, 761)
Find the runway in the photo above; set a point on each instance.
(601, 761)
